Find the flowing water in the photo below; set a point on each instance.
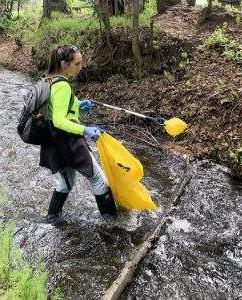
(198, 255)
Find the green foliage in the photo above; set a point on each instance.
(234, 94)
(149, 11)
(232, 50)
(236, 155)
(73, 3)
(121, 21)
(219, 86)
(168, 77)
(218, 38)
(5, 23)
(7, 8)
(65, 29)
(61, 29)
(85, 7)
(217, 3)
(238, 20)
(60, 22)
(144, 17)
(25, 27)
(231, 8)
(18, 278)
(184, 60)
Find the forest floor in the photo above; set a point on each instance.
(185, 79)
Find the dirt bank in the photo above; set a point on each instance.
(16, 57)
(201, 87)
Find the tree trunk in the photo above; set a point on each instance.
(128, 7)
(60, 5)
(135, 35)
(46, 9)
(19, 7)
(1, 8)
(54, 5)
(6, 8)
(11, 6)
(103, 14)
(116, 8)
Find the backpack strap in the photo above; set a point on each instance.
(60, 78)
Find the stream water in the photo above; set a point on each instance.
(199, 253)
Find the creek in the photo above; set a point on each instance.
(197, 256)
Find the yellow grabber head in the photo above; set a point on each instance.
(175, 126)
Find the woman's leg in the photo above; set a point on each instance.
(98, 180)
(101, 190)
(67, 180)
(60, 194)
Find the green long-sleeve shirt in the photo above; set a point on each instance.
(60, 96)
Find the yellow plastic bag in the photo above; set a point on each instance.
(123, 172)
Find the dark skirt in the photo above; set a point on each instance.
(67, 150)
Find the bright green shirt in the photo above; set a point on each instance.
(60, 96)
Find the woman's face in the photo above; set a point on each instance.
(72, 68)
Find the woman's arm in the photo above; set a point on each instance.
(60, 99)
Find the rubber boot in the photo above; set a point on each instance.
(55, 208)
(106, 204)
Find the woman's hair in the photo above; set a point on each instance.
(59, 54)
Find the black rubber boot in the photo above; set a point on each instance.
(55, 208)
(106, 204)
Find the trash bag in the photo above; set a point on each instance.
(123, 172)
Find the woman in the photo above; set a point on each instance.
(70, 153)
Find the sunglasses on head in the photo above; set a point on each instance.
(64, 51)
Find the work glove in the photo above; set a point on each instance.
(86, 105)
(92, 133)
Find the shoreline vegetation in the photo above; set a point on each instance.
(21, 278)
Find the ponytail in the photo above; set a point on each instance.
(59, 54)
(54, 64)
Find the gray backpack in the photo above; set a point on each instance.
(34, 125)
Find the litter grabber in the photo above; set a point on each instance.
(173, 126)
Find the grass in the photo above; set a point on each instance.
(67, 29)
(20, 279)
(74, 24)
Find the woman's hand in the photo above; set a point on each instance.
(92, 133)
(86, 105)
